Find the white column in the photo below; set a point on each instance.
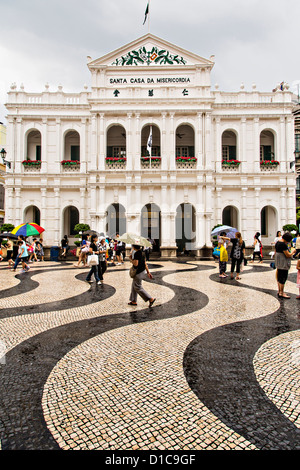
(44, 153)
(245, 209)
(93, 162)
(172, 144)
(242, 155)
(218, 157)
(280, 152)
(43, 206)
(290, 142)
(82, 212)
(83, 150)
(256, 149)
(59, 152)
(102, 143)
(18, 215)
(208, 142)
(58, 221)
(257, 209)
(129, 143)
(19, 147)
(136, 165)
(199, 136)
(163, 150)
(10, 147)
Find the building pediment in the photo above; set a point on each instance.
(149, 50)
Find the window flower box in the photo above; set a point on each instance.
(186, 159)
(231, 163)
(31, 165)
(70, 162)
(155, 162)
(115, 163)
(269, 163)
(112, 160)
(186, 162)
(34, 163)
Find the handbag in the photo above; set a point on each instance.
(132, 272)
(93, 260)
(216, 251)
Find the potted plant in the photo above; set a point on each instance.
(34, 163)
(269, 163)
(112, 160)
(231, 162)
(70, 162)
(186, 159)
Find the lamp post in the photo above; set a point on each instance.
(3, 155)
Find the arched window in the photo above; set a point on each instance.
(267, 146)
(229, 147)
(185, 141)
(72, 146)
(34, 146)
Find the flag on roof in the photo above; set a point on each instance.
(146, 13)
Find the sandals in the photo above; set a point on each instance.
(152, 302)
(132, 303)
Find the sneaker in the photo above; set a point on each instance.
(99, 282)
(23, 271)
(90, 281)
(27, 269)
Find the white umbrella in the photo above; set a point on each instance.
(132, 239)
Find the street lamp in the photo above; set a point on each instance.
(3, 155)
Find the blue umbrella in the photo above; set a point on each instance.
(230, 231)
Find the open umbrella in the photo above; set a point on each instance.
(8, 235)
(28, 229)
(132, 239)
(230, 231)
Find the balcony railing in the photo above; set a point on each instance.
(186, 162)
(269, 165)
(115, 163)
(31, 165)
(70, 165)
(150, 162)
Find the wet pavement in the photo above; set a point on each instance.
(213, 365)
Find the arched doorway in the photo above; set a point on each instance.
(185, 227)
(230, 216)
(32, 214)
(268, 223)
(151, 224)
(115, 220)
(155, 149)
(116, 142)
(70, 219)
(185, 141)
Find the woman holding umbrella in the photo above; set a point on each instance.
(138, 261)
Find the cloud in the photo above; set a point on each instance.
(41, 41)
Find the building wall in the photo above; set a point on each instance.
(206, 184)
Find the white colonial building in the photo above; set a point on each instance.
(216, 157)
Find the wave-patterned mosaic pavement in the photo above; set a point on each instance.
(213, 365)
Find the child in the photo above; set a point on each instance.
(23, 255)
(298, 277)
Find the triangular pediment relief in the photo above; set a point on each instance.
(149, 50)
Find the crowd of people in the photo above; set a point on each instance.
(96, 252)
(286, 248)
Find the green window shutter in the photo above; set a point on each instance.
(38, 152)
(75, 152)
(232, 152)
(267, 152)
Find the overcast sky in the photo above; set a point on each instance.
(254, 41)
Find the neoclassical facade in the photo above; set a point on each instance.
(215, 158)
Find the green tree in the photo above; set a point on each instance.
(81, 227)
(7, 228)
